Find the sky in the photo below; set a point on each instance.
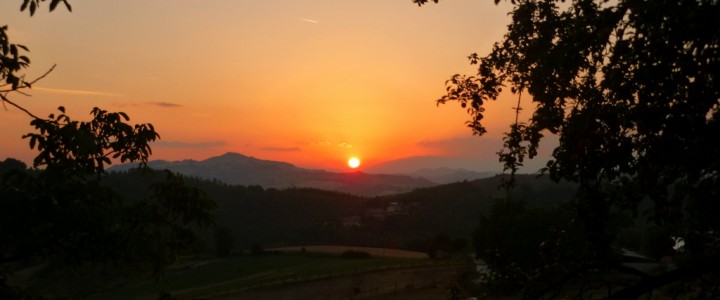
(308, 82)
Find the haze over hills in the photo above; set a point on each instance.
(235, 168)
(412, 164)
(449, 175)
(438, 169)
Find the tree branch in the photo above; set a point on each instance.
(5, 99)
(29, 84)
(43, 75)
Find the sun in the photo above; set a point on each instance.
(353, 162)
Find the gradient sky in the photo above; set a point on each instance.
(307, 82)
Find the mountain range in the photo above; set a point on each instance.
(239, 169)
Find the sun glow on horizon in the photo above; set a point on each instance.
(277, 60)
(353, 162)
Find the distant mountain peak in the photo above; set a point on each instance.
(234, 159)
(229, 156)
(236, 168)
(234, 154)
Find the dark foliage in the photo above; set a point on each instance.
(631, 89)
(60, 214)
(33, 5)
(64, 214)
(526, 248)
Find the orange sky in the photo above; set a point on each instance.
(307, 82)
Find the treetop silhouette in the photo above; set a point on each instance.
(631, 90)
(61, 214)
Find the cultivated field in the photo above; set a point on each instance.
(205, 278)
(427, 282)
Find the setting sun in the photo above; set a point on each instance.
(353, 162)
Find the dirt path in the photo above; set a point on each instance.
(426, 282)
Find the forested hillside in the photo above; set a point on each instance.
(257, 216)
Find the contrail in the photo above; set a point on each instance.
(74, 92)
(309, 20)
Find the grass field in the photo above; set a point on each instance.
(203, 278)
(376, 252)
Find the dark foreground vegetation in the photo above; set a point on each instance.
(631, 90)
(258, 217)
(440, 221)
(629, 87)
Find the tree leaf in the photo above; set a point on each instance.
(69, 8)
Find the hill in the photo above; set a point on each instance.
(272, 217)
(238, 169)
(449, 175)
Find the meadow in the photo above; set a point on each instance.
(206, 278)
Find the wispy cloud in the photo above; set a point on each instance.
(329, 144)
(465, 146)
(189, 145)
(75, 92)
(135, 104)
(165, 104)
(309, 20)
(281, 149)
(124, 104)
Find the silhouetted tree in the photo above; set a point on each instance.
(11, 164)
(62, 214)
(631, 89)
(12, 59)
(525, 248)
